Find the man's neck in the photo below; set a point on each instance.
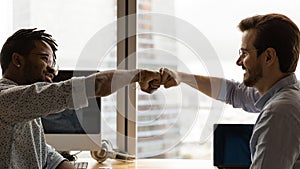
(265, 85)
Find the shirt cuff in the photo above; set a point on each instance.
(79, 98)
(222, 96)
(54, 158)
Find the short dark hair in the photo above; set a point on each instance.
(276, 31)
(22, 42)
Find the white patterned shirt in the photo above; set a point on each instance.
(22, 140)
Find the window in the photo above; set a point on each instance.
(75, 25)
(171, 123)
(176, 122)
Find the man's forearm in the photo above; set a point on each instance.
(208, 85)
(107, 82)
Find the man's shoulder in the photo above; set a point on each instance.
(285, 102)
(6, 83)
(288, 95)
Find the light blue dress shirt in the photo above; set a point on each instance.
(275, 142)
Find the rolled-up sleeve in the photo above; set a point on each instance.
(79, 98)
(239, 95)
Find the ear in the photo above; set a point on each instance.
(17, 60)
(270, 56)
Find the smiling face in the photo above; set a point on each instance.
(38, 64)
(249, 60)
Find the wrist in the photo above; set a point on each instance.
(180, 76)
(137, 76)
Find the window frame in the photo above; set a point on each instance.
(126, 97)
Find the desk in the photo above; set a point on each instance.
(151, 164)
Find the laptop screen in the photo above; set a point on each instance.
(231, 145)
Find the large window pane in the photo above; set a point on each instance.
(176, 123)
(77, 26)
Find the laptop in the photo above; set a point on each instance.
(231, 148)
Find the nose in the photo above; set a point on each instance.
(239, 61)
(52, 70)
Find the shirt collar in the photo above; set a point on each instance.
(8, 81)
(291, 79)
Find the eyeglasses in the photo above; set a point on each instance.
(55, 69)
(244, 52)
(50, 62)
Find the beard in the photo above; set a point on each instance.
(252, 76)
(32, 76)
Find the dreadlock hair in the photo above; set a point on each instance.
(22, 42)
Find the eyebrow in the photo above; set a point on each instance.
(42, 54)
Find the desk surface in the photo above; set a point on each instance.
(151, 164)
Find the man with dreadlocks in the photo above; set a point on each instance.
(27, 93)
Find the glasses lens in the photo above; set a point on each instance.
(55, 69)
(240, 52)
